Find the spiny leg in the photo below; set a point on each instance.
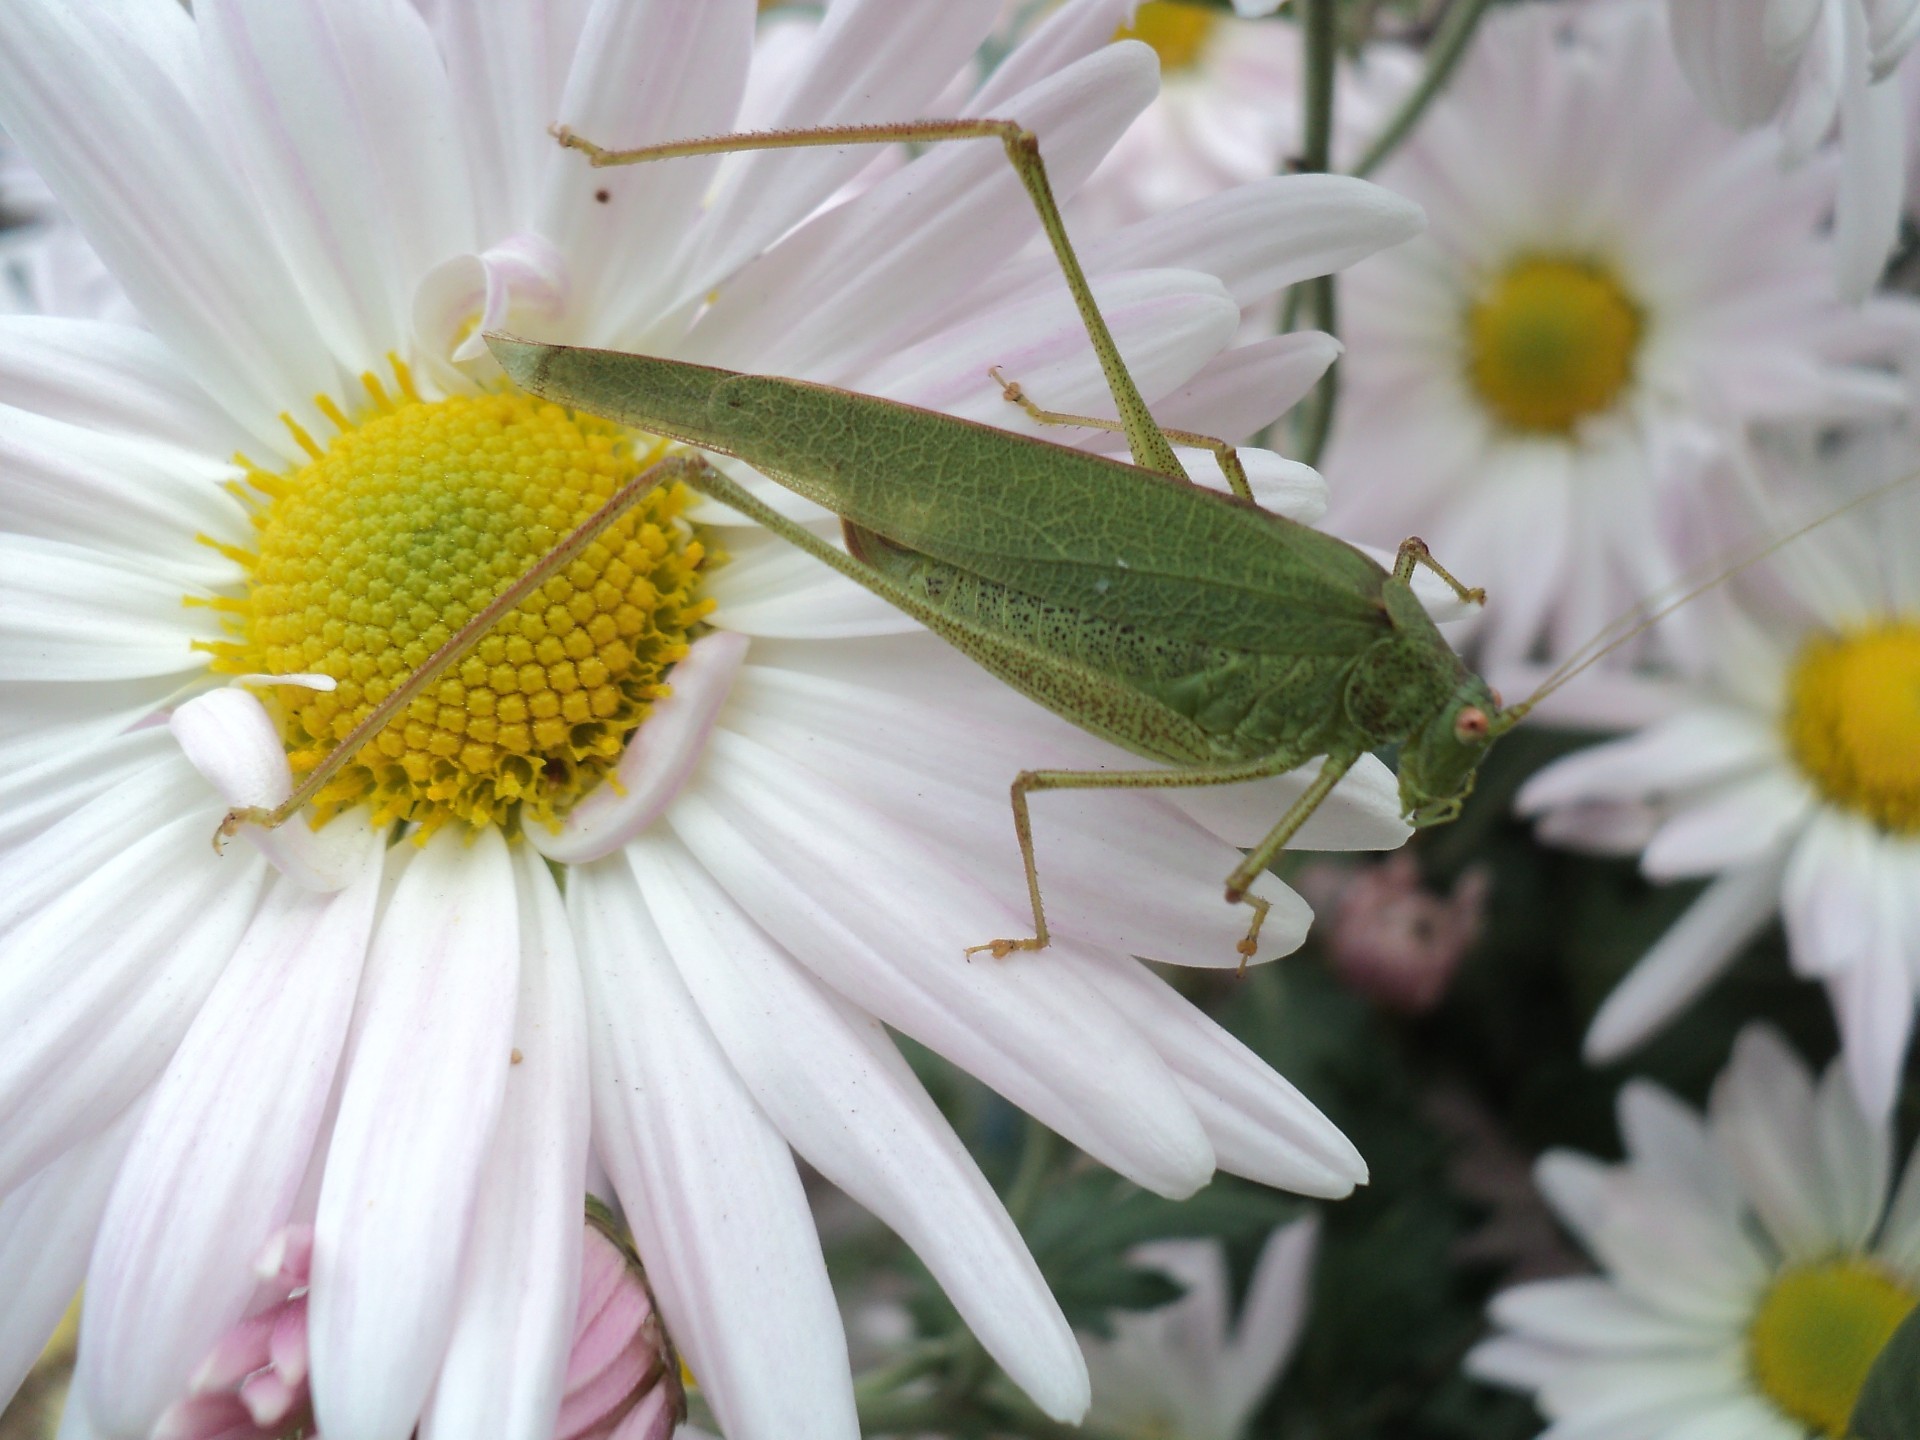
(1029, 781)
(1144, 437)
(1226, 454)
(1414, 551)
(674, 467)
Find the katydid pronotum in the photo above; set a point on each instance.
(1188, 626)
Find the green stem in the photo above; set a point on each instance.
(1316, 157)
(1444, 52)
(1036, 1157)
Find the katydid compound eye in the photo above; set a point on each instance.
(1470, 724)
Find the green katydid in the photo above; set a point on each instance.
(1187, 626)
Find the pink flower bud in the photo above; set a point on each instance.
(623, 1379)
(1395, 941)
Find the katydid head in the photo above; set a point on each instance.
(1439, 760)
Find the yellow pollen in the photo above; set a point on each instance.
(1550, 342)
(1178, 33)
(1853, 721)
(1817, 1334)
(405, 526)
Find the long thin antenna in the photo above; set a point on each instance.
(1574, 665)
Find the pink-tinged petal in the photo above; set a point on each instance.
(658, 760)
(519, 283)
(1260, 1125)
(620, 1360)
(237, 1353)
(709, 1187)
(848, 284)
(503, 1370)
(1167, 324)
(840, 1092)
(144, 785)
(619, 94)
(1685, 960)
(69, 612)
(770, 589)
(1690, 750)
(343, 121)
(46, 1231)
(114, 379)
(1242, 390)
(651, 1419)
(221, 1416)
(870, 62)
(1362, 813)
(1724, 52)
(227, 1139)
(1873, 164)
(228, 736)
(98, 985)
(1024, 1026)
(1069, 33)
(426, 1070)
(110, 104)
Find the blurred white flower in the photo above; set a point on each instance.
(46, 265)
(1803, 66)
(1188, 1370)
(1229, 111)
(316, 206)
(1609, 280)
(1788, 768)
(1753, 1265)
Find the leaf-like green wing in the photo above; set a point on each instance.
(1889, 1403)
(1079, 530)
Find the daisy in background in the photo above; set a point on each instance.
(1753, 1265)
(414, 1047)
(46, 265)
(1787, 769)
(1229, 110)
(1526, 383)
(1805, 67)
(1188, 1370)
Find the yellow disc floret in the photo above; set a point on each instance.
(407, 525)
(1550, 342)
(1178, 33)
(1817, 1334)
(1853, 721)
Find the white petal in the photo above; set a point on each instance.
(47, 1229)
(1246, 388)
(506, 1361)
(1271, 1317)
(1668, 1141)
(114, 114)
(1763, 1117)
(1588, 1313)
(425, 1072)
(658, 760)
(1873, 1003)
(344, 123)
(1362, 813)
(839, 1091)
(1872, 167)
(1684, 961)
(68, 613)
(1024, 1026)
(1856, 1161)
(1068, 33)
(98, 986)
(1740, 823)
(709, 1187)
(1260, 1125)
(1727, 60)
(218, 1161)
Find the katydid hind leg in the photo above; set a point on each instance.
(1224, 453)
(1149, 444)
(1029, 781)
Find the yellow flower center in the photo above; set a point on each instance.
(1817, 1334)
(1550, 342)
(1853, 721)
(1178, 33)
(405, 526)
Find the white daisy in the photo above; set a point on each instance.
(1188, 1371)
(1229, 110)
(315, 205)
(1785, 768)
(46, 265)
(1753, 1264)
(1806, 66)
(1608, 277)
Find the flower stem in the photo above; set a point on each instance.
(1322, 47)
(1444, 53)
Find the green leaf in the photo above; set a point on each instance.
(1889, 1404)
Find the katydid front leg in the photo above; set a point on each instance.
(1225, 454)
(1144, 436)
(1413, 551)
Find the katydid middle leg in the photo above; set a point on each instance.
(1029, 781)
(1226, 454)
(1144, 437)
(1414, 551)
